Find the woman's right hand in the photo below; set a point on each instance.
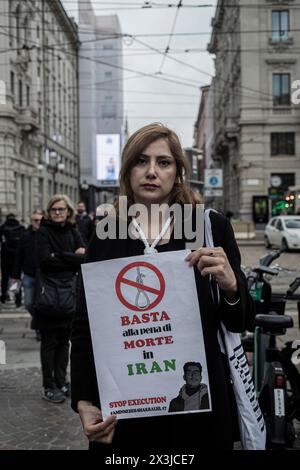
(94, 427)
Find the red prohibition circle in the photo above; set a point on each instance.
(122, 280)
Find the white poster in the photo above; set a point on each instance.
(147, 335)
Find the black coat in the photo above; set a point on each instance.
(10, 234)
(55, 256)
(25, 258)
(207, 430)
(85, 227)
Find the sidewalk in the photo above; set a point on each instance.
(26, 420)
(258, 240)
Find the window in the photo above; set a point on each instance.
(27, 95)
(108, 74)
(281, 89)
(20, 93)
(279, 225)
(109, 111)
(12, 83)
(283, 143)
(280, 25)
(18, 20)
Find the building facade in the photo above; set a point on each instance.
(257, 126)
(39, 145)
(101, 104)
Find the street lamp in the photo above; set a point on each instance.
(53, 163)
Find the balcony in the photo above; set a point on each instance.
(279, 111)
(27, 119)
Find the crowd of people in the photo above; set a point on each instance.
(51, 247)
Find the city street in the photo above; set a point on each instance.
(27, 421)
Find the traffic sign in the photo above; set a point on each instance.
(213, 192)
(213, 178)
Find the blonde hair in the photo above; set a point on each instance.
(67, 201)
(136, 144)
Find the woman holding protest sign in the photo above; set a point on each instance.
(153, 172)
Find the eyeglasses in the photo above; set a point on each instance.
(36, 220)
(54, 210)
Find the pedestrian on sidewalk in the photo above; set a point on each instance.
(59, 253)
(84, 222)
(154, 171)
(24, 271)
(10, 234)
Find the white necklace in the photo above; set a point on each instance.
(150, 249)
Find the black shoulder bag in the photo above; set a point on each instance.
(54, 296)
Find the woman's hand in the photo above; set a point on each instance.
(80, 251)
(214, 261)
(94, 427)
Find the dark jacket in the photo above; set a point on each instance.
(85, 227)
(215, 428)
(55, 257)
(25, 257)
(55, 249)
(10, 234)
(200, 398)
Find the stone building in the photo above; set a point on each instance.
(257, 126)
(39, 106)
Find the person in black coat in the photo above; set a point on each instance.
(84, 223)
(25, 263)
(10, 234)
(153, 172)
(59, 253)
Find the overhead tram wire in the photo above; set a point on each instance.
(196, 68)
(170, 36)
(142, 74)
(150, 6)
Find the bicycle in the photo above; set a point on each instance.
(276, 379)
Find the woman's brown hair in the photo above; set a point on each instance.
(136, 144)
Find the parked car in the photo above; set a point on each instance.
(283, 231)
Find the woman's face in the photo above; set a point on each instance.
(59, 212)
(153, 176)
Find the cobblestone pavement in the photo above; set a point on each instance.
(27, 421)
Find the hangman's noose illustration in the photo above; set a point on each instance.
(139, 280)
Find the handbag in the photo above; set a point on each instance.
(55, 296)
(251, 421)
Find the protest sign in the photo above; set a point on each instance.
(145, 326)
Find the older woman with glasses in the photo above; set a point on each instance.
(59, 252)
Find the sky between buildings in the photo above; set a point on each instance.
(171, 92)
